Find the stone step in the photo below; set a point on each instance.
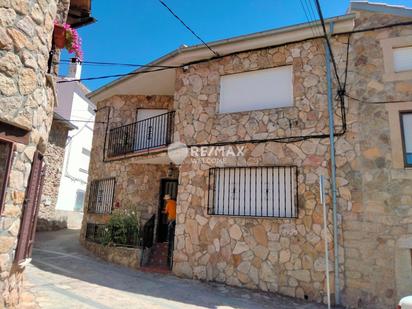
(158, 257)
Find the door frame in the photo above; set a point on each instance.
(159, 208)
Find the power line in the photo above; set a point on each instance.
(221, 56)
(328, 43)
(377, 102)
(188, 28)
(109, 76)
(121, 64)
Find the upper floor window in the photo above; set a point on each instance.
(397, 58)
(406, 127)
(256, 90)
(86, 152)
(402, 59)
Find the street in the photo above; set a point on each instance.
(64, 275)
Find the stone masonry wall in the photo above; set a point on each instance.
(277, 255)
(27, 100)
(379, 218)
(374, 198)
(137, 184)
(54, 157)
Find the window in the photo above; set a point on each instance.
(101, 196)
(78, 205)
(406, 128)
(397, 58)
(402, 59)
(86, 152)
(253, 191)
(262, 89)
(91, 109)
(6, 156)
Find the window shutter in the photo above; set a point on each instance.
(402, 59)
(30, 209)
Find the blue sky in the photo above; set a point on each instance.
(139, 31)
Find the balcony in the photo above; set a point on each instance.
(141, 136)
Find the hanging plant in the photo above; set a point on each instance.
(66, 37)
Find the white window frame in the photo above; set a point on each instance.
(256, 90)
(388, 46)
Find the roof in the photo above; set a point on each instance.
(80, 13)
(376, 7)
(162, 82)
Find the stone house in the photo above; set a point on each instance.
(27, 100)
(255, 121)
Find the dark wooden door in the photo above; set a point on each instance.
(31, 209)
(167, 186)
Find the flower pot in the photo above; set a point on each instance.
(59, 36)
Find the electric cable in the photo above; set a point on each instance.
(221, 56)
(120, 64)
(322, 21)
(188, 28)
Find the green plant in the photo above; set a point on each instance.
(122, 229)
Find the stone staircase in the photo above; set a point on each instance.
(158, 259)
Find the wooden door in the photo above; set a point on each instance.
(30, 209)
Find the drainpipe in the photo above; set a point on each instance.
(333, 169)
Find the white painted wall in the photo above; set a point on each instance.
(76, 160)
(261, 89)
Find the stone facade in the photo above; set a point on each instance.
(374, 199)
(27, 100)
(377, 224)
(287, 255)
(137, 183)
(47, 219)
(277, 255)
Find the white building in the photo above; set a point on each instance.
(74, 105)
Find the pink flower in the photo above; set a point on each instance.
(73, 41)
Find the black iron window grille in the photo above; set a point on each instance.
(253, 191)
(150, 133)
(101, 196)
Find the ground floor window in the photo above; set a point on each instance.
(406, 127)
(78, 206)
(101, 196)
(253, 191)
(6, 154)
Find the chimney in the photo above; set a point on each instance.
(75, 69)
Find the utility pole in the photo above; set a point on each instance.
(333, 167)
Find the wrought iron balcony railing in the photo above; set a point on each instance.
(150, 133)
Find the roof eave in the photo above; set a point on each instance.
(284, 35)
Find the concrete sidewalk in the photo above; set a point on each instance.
(64, 275)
